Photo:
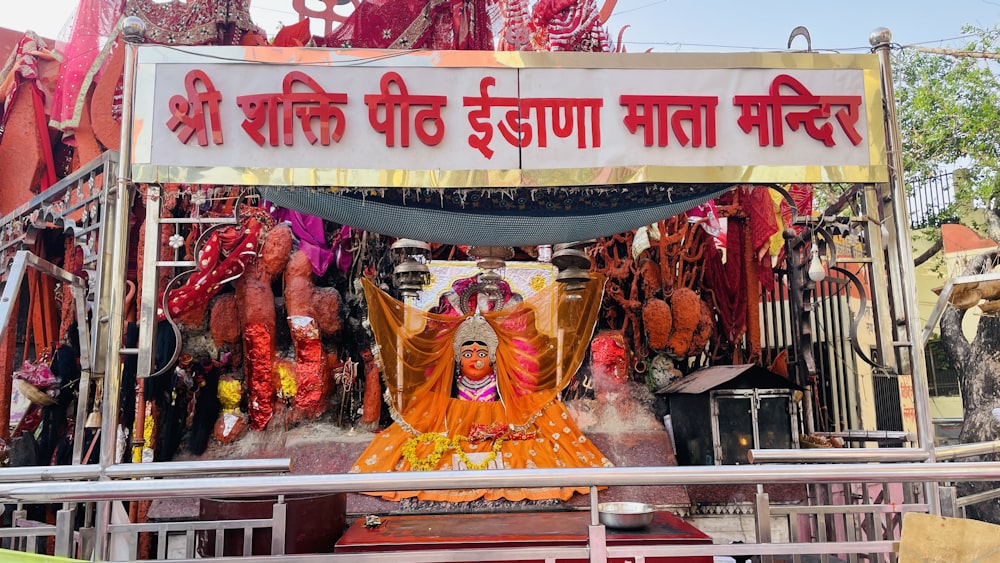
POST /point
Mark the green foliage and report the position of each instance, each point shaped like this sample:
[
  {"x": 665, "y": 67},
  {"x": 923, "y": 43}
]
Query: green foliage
[
  {"x": 949, "y": 114},
  {"x": 937, "y": 353}
]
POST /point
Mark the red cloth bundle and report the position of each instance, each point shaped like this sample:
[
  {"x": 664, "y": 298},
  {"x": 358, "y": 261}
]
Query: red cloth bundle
[
  {"x": 257, "y": 374},
  {"x": 310, "y": 365}
]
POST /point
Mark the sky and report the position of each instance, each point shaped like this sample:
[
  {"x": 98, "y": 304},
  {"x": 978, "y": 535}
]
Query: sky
[{"x": 679, "y": 25}]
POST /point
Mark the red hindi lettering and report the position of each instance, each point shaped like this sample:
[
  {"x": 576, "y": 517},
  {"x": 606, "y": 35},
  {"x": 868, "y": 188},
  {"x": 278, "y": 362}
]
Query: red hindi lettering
[
  {"x": 188, "y": 115},
  {"x": 847, "y": 116},
  {"x": 486, "y": 103},
  {"x": 566, "y": 115},
  {"x": 517, "y": 133},
  {"x": 653, "y": 114},
  {"x": 260, "y": 110},
  {"x": 755, "y": 111},
  {"x": 316, "y": 104},
  {"x": 393, "y": 96}
]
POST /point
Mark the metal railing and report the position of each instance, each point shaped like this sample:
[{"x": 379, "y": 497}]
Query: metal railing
[
  {"x": 24, "y": 534},
  {"x": 873, "y": 542},
  {"x": 931, "y": 200},
  {"x": 952, "y": 504}
]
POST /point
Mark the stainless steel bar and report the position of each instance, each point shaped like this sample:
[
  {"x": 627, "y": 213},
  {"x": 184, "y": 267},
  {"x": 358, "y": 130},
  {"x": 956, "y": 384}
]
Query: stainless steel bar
[
  {"x": 837, "y": 455},
  {"x": 966, "y": 450},
  {"x": 594, "y": 512},
  {"x": 581, "y": 553},
  {"x": 149, "y": 293},
  {"x": 198, "y": 221},
  {"x": 427, "y": 556},
  {"x": 935, "y": 315},
  {"x": 48, "y": 473},
  {"x": 51, "y": 269},
  {"x": 189, "y": 543},
  {"x": 949, "y": 502},
  {"x": 355, "y": 482},
  {"x": 114, "y": 260},
  {"x": 173, "y": 263},
  {"x": 850, "y": 533},
  {"x": 921, "y": 399},
  {"x": 279, "y": 517},
  {"x": 984, "y": 496},
  {"x": 867, "y": 524},
  {"x": 597, "y": 541},
  {"x": 140, "y": 470},
  {"x": 843, "y": 509},
  {"x": 870, "y": 435},
  {"x": 86, "y": 373},
  {"x": 8, "y": 298},
  {"x": 64, "y": 532},
  {"x": 247, "y": 540},
  {"x": 189, "y": 468},
  {"x": 762, "y": 517},
  {"x": 793, "y": 534}
]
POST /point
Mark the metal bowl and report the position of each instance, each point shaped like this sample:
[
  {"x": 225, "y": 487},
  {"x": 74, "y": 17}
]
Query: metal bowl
[{"x": 625, "y": 515}]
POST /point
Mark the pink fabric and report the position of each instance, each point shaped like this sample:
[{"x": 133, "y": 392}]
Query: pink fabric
[
  {"x": 447, "y": 306},
  {"x": 194, "y": 22},
  {"x": 708, "y": 218},
  {"x": 312, "y": 239},
  {"x": 415, "y": 24},
  {"x": 568, "y": 25},
  {"x": 81, "y": 44}
]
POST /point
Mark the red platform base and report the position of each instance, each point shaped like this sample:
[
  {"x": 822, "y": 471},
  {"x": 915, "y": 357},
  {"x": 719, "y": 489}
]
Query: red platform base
[{"x": 523, "y": 529}]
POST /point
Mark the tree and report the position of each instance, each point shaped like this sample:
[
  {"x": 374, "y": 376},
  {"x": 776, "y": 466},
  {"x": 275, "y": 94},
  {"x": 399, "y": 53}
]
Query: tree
[{"x": 949, "y": 112}]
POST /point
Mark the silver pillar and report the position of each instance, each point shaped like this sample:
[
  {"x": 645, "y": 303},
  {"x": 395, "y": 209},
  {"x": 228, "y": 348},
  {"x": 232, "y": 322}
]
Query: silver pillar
[
  {"x": 111, "y": 305},
  {"x": 880, "y": 40}
]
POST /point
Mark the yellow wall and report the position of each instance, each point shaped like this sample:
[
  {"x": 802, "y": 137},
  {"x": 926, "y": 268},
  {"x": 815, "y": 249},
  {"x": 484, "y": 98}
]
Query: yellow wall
[{"x": 930, "y": 275}]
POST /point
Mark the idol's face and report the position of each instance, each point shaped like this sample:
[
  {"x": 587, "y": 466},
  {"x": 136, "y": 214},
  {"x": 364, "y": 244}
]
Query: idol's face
[{"x": 475, "y": 361}]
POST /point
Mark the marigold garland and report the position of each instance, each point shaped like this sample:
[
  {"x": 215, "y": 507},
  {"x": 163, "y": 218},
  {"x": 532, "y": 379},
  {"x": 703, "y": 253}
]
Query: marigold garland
[{"x": 442, "y": 444}]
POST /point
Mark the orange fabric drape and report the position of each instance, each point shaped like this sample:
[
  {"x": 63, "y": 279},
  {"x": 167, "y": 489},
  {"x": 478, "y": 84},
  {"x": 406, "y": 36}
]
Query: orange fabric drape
[
  {"x": 43, "y": 313},
  {"x": 542, "y": 342}
]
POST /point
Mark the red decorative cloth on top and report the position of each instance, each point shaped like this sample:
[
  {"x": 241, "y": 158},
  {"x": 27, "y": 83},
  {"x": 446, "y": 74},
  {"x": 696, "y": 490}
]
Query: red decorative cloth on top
[
  {"x": 194, "y": 22},
  {"x": 415, "y": 24}
]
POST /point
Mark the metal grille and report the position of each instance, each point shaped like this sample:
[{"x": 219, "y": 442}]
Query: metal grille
[
  {"x": 942, "y": 378},
  {"x": 888, "y": 411},
  {"x": 834, "y": 398},
  {"x": 932, "y": 201}
]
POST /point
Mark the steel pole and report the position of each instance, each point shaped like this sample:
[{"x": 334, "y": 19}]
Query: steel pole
[
  {"x": 257, "y": 485},
  {"x": 880, "y": 41},
  {"x": 116, "y": 253}
]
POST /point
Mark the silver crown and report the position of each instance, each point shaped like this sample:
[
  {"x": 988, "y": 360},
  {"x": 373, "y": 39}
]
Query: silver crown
[{"x": 475, "y": 329}]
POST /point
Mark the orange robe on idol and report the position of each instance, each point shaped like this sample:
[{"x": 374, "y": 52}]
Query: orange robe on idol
[{"x": 541, "y": 343}]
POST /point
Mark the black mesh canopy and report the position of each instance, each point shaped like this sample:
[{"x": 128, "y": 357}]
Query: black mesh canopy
[{"x": 506, "y": 217}]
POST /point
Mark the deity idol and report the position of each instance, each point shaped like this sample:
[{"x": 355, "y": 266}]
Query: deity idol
[{"x": 481, "y": 390}]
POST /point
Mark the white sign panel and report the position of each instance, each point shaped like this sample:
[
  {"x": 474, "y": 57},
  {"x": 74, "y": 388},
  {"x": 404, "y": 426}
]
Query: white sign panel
[{"x": 473, "y": 119}]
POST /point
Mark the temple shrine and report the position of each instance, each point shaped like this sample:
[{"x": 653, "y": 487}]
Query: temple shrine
[{"x": 445, "y": 236}]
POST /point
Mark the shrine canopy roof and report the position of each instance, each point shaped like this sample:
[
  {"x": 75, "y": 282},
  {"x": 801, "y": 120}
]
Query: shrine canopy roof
[
  {"x": 737, "y": 376},
  {"x": 519, "y": 148}
]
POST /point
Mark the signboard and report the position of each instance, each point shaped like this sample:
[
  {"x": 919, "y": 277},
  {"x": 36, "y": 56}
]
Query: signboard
[{"x": 361, "y": 118}]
